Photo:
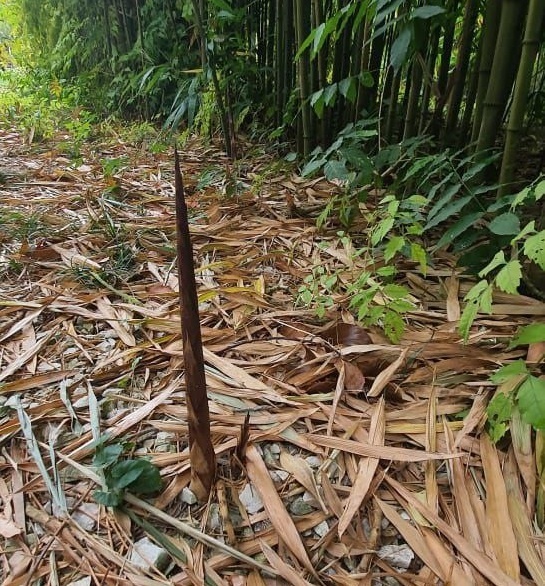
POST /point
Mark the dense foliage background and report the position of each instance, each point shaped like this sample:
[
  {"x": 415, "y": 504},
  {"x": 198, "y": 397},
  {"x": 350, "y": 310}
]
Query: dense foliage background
[{"x": 438, "y": 106}]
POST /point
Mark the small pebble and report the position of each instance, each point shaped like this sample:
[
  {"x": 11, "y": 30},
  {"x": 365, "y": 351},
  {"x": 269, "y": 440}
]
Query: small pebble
[
  {"x": 398, "y": 556},
  {"x": 314, "y": 461},
  {"x": 321, "y": 529},
  {"x": 251, "y": 500},
  {"x": 145, "y": 554},
  {"x": 188, "y": 497}
]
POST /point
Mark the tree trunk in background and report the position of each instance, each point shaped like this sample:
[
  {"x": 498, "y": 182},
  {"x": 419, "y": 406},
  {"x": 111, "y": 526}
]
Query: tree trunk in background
[
  {"x": 501, "y": 79},
  {"x": 530, "y": 46},
  {"x": 462, "y": 64},
  {"x": 488, "y": 43}
]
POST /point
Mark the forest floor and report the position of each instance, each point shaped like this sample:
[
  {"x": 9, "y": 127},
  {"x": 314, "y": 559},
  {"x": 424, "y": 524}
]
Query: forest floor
[{"x": 367, "y": 461}]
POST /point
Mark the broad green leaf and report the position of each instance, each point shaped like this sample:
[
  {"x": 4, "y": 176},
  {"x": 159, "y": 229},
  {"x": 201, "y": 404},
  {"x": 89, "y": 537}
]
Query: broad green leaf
[
  {"x": 448, "y": 211},
  {"x": 426, "y": 11},
  {"x": 148, "y": 481},
  {"x": 395, "y": 291},
  {"x": 529, "y": 335},
  {"x": 467, "y": 318},
  {"x": 476, "y": 291},
  {"x": 317, "y": 102},
  {"x": 508, "y": 371},
  {"x": 530, "y": 228},
  {"x": 348, "y": 88},
  {"x": 534, "y": 248},
  {"x": 486, "y": 299},
  {"x": 509, "y": 277},
  {"x": 124, "y": 473},
  {"x": 400, "y": 49},
  {"x": 336, "y": 170},
  {"x": 499, "y": 413},
  {"x": 531, "y": 401},
  {"x": 107, "y": 455},
  {"x": 108, "y": 498},
  {"x": 418, "y": 254},
  {"x": 318, "y": 36},
  {"x": 539, "y": 190},
  {"x": 395, "y": 244},
  {"x": 497, "y": 261},
  {"x": 521, "y": 197},
  {"x": 393, "y": 325},
  {"x": 505, "y": 224},
  {"x": 313, "y": 166},
  {"x": 330, "y": 94}
]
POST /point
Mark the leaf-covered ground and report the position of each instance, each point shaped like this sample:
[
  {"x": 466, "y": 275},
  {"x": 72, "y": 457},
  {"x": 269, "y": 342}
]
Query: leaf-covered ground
[{"x": 366, "y": 462}]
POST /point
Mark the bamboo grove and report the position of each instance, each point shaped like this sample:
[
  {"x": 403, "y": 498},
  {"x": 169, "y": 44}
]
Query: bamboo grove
[{"x": 466, "y": 72}]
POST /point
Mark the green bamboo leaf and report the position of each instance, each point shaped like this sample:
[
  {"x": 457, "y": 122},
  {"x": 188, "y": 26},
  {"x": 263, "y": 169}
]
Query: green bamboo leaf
[
  {"x": 531, "y": 401},
  {"x": 425, "y": 12},
  {"x": 348, "y": 88},
  {"x": 506, "y": 224},
  {"x": 458, "y": 228},
  {"x": 510, "y": 276},
  {"x": 337, "y": 170},
  {"x": 400, "y": 49},
  {"x": 448, "y": 211},
  {"x": 529, "y": 335}
]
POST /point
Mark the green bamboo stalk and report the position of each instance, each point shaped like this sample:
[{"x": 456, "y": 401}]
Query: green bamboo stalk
[
  {"x": 502, "y": 73},
  {"x": 462, "y": 65},
  {"x": 530, "y": 47},
  {"x": 489, "y": 35}
]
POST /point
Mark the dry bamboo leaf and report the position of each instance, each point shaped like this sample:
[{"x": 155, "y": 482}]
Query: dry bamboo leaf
[
  {"x": 500, "y": 529},
  {"x": 446, "y": 567},
  {"x": 521, "y": 524},
  {"x": 477, "y": 558},
  {"x": 29, "y": 354},
  {"x": 453, "y": 302},
  {"x": 283, "y": 569},
  {"x": 385, "y": 376},
  {"x": 366, "y": 469},
  {"x": 379, "y": 452},
  {"x": 462, "y": 486},
  {"x": 302, "y": 472},
  {"x": 114, "y": 319},
  {"x": 260, "y": 478}
]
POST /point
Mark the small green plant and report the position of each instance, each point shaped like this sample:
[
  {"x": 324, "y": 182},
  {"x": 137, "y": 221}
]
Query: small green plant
[
  {"x": 371, "y": 293},
  {"x": 123, "y": 475},
  {"x": 518, "y": 389},
  {"x": 527, "y": 245}
]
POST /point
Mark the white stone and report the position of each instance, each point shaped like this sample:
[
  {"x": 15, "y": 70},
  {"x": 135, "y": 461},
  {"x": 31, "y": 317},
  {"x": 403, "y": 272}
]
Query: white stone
[
  {"x": 398, "y": 556},
  {"x": 314, "y": 461},
  {"x": 145, "y": 554},
  {"x": 251, "y": 500},
  {"x": 188, "y": 496},
  {"x": 321, "y": 529},
  {"x": 86, "y": 515}
]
